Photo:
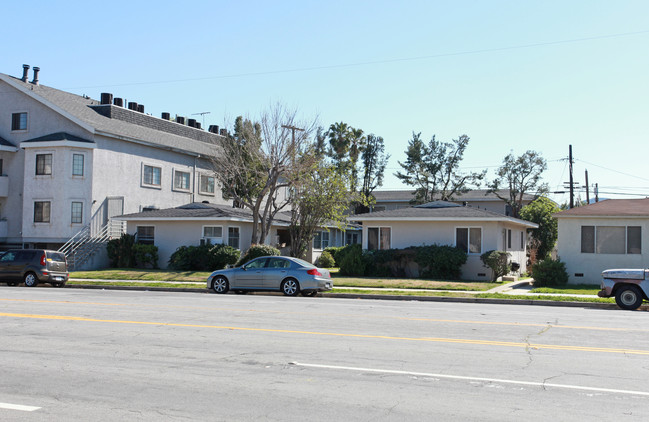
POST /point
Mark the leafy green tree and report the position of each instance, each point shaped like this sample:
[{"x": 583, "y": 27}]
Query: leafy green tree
[
  {"x": 374, "y": 159},
  {"x": 519, "y": 176},
  {"x": 433, "y": 169},
  {"x": 320, "y": 197},
  {"x": 545, "y": 236}
]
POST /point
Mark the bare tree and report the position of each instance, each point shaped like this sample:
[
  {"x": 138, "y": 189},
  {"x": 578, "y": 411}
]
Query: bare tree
[{"x": 255, "y": 165}]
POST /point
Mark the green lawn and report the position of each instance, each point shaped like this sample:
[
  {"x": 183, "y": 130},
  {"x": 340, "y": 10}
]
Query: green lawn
[
  {"x": 573, "y": 289},
  {"x": 144, "y": 275}
]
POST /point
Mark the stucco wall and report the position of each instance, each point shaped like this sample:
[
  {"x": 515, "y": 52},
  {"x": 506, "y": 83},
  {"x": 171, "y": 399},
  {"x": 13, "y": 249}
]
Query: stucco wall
[
  {"x": 420, "y": 233},
  {"x": 591, "y": 265}
]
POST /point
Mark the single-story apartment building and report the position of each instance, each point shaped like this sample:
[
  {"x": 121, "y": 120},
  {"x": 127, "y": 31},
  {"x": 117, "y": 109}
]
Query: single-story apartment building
[
  {"x": 196, "y": 223},
  {"x": 603, "y": 235},
  {"x": 447, "y": 223}
]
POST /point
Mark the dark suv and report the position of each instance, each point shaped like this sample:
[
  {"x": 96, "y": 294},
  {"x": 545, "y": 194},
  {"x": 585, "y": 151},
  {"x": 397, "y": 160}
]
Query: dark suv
[{"x": 33, "y": 266}]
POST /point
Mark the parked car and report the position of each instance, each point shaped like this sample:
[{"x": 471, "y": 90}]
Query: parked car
[
  {"x": 629, "y": 286},
  {"x": 272, "y": 273},
  {"x": 33, "y": 266}
]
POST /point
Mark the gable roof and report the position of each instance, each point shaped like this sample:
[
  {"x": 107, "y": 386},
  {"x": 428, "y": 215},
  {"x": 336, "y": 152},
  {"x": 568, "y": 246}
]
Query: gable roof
[
  {"x": 439, "y": 211},
  {"x": 200, "y": 211},
  {"x": 473, "y": 195},
  {"x": 80, "y": 110},
  {"x": 610, "y": 208}
]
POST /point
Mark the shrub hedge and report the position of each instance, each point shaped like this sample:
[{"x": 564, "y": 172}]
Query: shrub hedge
[
  {"x": 255, "y": 251},
  {"x": 326, "y": 260},
  {"x": 549, "y": 273},
  {"x": 203, "y": 258}
]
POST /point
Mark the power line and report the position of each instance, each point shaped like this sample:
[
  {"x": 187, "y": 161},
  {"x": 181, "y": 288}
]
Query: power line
[{"x": 373, "y": 62}]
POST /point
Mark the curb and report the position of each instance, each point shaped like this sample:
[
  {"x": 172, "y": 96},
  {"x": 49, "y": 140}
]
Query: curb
[{"x": 529, "y": 302}]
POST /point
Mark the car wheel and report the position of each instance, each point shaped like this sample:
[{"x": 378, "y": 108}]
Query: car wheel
[
  {"x": 310, "y": 294},
  {"x": 31, "y": 280},
  {"x": 290, "y": 287},
  {"x": 628, "y": 297},
  {"x": 220, "y": 284}
]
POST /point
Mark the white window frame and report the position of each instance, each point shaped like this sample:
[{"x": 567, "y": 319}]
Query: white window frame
[
  {"x": 72, "y": 212},
  {"x": 200, "y": 185},
  {"x": 468, "y": 245},
  {"x": 367, "y": 242},
  {"x": 26, "y": 129},
  {"x": 321, "y": 233},
  {"x": 189, "y": 180},
  {"x": 151, "y": 185},
  {"x": 83, "y": 164},
  {"x": 40, "y": 153},
  {"x": 214, "y": 240},
  {"x": 238, "y": 238},
  {"x": 49, "y": 220}
]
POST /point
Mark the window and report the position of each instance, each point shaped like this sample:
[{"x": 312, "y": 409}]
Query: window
[
  {"x": 257, "y": 263},
  {"x": 509, "y": 239},
  {"x": 151, "y": 175},
  {"x": 279, "y": 263},
  {"x": 19, "y": 121},
  {"x": 321, "y": 240},
  {"x": 378, "y": 238},
  {"x": 145, "y": 235},
  {"x": 77, "y": 212},
  {"x": 352, "y": 238},
  {"x": 213, "y": 234},
  {"x": 611, "y": 239},
  {"x": 206, "y": 184},
  {"x": 43, "y": 164},
  {"x": 469, "y": 239},
  {"x": 233, "y": 237},
  {"x": 1, "y": 172},
  {"x": 42, "y": 211},
  {"x": 77, "y": 164},
  {"x": 181, "y": 180},
  {"x": 522, "y": 240}
]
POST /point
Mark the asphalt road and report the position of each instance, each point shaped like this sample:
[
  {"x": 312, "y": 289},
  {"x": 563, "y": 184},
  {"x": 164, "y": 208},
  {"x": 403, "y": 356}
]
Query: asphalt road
[{"x": 94, "y": 355}]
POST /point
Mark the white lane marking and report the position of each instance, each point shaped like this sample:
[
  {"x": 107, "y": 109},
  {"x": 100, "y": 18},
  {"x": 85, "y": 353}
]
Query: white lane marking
[
  {"x": 18, "y": 407},
  {"x": 465, "y": 378}
]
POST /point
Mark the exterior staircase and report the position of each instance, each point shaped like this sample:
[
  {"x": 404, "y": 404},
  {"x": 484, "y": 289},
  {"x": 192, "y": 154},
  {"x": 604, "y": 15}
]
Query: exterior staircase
[{"x": 85, "y": 244}]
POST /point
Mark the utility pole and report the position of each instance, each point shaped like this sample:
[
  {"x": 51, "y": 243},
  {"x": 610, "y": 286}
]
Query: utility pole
[
  {"x": 587, "y": 190},
  {"x": 293, "y": 129},
  {"x": 572, "y": 189}
]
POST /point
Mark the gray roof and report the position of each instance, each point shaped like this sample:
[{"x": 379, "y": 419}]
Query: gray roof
[
  {"x": 472, "y": 195},
  {"x": 6, "y": 143},
  {"x": 438, "y": 210},
  {"x": 81, "y": 108},
  {"x": 59, "y": 136}
]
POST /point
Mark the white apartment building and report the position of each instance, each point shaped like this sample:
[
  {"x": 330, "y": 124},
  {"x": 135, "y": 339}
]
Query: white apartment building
[{"x": 68, "y": 162}]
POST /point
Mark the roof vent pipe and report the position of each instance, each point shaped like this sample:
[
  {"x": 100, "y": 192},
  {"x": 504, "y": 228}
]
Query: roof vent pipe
[
  {"x": 25, "y": 72},
  {"x": 118, "y": 102},
  {"x": 36, "y": 70},
  {"x": 106, "y": 98},
  {"x": 166, "y": 116}
]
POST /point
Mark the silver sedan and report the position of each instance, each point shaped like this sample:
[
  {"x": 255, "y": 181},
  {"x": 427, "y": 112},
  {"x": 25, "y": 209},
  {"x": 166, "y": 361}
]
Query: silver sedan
[{"x": 272, "y": 273}]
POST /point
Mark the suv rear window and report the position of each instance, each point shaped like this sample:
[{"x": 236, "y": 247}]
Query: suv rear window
[{"x": 56, "y": 256}]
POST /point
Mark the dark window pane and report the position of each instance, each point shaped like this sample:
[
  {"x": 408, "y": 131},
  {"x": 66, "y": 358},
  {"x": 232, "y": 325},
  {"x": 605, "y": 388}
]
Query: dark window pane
[
  {"x": 634, "y": 239},
  {"x": 587, "y": 239},
  {"x": 385, "y": 237},
  {"x": 462, "y": 239},
  {"x": 475, "y": 240},
  {"x": 43, "y": 164},
  {"x": 373, "y": 238}
]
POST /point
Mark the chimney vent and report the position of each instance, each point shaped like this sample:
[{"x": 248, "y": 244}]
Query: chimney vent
[
  {"x": 180, "y": 119},
  {"x": 25, "y": 73},
  {"x": 106, "y": 98},
  {"x": 166, "y": 116},
  {"x": 223, "y": 132},
  {"x": 140, "y": 108},
  {"x": 191, "y": 122},
  {"x": 132, "y": 106},
  {"x": 118, "y": 102},
  {"x": 36, "y": 70},
  {"x": 213, "y": 129}
]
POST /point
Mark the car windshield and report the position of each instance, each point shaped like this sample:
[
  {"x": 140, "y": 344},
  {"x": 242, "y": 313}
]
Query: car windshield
[{"x": 304, "y": 263}]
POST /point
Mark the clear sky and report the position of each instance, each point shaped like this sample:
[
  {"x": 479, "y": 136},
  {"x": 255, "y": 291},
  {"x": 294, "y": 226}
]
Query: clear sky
[{"x": 512, "y": 75}]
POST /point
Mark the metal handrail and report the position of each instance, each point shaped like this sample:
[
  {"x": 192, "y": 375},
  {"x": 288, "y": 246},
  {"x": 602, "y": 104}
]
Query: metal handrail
[{"x": 82, "y": 245}]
